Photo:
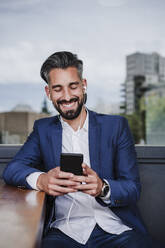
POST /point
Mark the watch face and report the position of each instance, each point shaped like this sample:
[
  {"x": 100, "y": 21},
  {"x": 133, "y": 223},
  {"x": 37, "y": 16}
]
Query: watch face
[{"x": 106, "y": 189}]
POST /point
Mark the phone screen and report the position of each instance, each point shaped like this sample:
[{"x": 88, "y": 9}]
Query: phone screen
[{"x": 71, "y": 162}]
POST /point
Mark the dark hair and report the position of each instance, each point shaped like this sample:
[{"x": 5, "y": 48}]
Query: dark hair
[{"x": 61, "y": 60}]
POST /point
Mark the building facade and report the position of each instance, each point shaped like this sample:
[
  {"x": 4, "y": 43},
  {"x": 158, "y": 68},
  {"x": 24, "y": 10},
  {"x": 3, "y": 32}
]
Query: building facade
[
  {"x": 150, "y": 68},
  {"x": 17, "y": 124}
]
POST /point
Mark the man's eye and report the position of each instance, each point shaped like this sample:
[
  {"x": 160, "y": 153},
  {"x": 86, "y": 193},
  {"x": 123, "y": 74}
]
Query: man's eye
[
  {"x": 74, "y": 86},
  {"x": 57, "y": 89}
]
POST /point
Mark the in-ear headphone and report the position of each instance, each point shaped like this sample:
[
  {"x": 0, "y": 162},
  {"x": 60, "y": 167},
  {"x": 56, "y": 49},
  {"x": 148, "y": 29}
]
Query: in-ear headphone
[
  {"x": 85, "y": 89},
  {"x": 49, "y": 96},
  {"x": 85, "y": 94}
]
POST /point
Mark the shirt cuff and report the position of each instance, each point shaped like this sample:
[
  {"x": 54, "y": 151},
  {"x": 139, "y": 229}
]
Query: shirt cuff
[
  {"x": 32, "y": 179},
  {"x": 106, "y": 199}
]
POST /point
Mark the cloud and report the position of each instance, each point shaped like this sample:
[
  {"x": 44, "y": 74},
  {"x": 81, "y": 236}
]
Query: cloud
[
  {"x": 102, "y": 36},
  {"x": 112, "y": 3},
  {"x": 19, "y": 63},
  {"x": 17, "y": 4}
]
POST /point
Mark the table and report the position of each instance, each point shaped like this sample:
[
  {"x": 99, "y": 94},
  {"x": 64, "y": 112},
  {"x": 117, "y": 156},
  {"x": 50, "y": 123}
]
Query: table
[{"x": 22, "y": 215}]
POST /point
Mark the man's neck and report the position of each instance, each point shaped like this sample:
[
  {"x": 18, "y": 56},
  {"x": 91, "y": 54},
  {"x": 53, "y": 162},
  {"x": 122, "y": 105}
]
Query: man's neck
[{"x": 79, "y": 121}]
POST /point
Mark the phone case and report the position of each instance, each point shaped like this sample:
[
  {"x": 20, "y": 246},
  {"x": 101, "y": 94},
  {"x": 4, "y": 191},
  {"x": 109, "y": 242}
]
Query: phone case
[{"x": 72, "y": 162}]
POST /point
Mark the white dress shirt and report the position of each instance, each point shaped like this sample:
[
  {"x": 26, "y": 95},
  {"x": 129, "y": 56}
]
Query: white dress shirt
[{"x": 77, "y": 213}]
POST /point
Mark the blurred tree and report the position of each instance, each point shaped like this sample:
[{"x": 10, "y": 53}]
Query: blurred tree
[
  {"x": 135, "y": 123},
  {"x": 156, "y": 114},
  {"x": 44, "y": 108}
]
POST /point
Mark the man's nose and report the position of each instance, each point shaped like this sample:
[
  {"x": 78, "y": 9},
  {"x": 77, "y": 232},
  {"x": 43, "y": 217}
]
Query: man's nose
[{"x": 67, "y": 94}]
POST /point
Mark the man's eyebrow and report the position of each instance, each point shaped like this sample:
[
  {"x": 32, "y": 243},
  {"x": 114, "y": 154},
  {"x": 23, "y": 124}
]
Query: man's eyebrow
[
  {"x": 56, "y": 85},
  {"x": 76, "y": 82}
]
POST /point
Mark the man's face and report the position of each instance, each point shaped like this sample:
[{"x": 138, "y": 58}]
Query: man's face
[{"x": 66, "y": 92}]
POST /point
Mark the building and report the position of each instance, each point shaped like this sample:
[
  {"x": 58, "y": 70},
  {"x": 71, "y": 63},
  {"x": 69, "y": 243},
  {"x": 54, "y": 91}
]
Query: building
[
  {"x": 144, "y": 94},
  {"x": 17, "y": 124},
  {"x": 143, "y": 71}
]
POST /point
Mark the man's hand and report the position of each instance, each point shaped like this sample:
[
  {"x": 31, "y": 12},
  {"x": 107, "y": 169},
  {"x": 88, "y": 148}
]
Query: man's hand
[
  {"x": 93, "y": 184},
  {"x": 56, "y": 182}
]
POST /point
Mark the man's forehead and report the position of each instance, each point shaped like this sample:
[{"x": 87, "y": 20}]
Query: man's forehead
[
  {"x": 60, "y": 76},
  {"x": 69, "y": 69}
]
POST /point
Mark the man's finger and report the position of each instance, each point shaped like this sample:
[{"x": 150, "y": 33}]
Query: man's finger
[
  {"x": 87, "y": 170},
  {"x": 65, "y": 182},
  {"x": 63, "y": 190},
  {"x": 57, "y": 173},
  {"x": 84, "y": 179},
  {"x": 63, "y": 174},
  {"x": 83, "y": 187}
]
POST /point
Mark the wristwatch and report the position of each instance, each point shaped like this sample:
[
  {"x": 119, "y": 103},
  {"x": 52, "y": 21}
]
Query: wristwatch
[{"x": 105, "y": 189}]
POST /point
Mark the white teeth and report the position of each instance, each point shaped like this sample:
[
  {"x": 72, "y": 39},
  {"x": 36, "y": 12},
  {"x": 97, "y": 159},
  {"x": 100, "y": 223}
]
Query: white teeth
[{"x": 68, "y": 105}]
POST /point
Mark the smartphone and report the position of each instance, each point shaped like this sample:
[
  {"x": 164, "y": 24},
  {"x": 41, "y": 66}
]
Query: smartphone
[{"x": 71, "y": 162}]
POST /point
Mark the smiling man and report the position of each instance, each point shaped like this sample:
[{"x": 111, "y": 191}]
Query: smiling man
[
  {"x": 65, "y": 90},
  {"x": 71, "y": 85},
  {"x": 97, "y": 209}
]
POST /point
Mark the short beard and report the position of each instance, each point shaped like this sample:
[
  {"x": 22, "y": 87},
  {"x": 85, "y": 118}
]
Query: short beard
[{"x": 70, "y": 114}]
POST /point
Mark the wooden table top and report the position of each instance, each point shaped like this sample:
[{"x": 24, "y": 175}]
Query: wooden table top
[{"x": 21, "y": 217}]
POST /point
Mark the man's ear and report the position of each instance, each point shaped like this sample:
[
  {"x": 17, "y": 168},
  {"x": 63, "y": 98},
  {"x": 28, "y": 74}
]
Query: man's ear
[
  {"x": 84, "y": 84},
  {"x": 47, "y": 92}
]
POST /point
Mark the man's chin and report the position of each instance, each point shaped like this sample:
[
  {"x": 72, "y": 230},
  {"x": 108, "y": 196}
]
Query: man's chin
[{"x": 69, "y": 115}]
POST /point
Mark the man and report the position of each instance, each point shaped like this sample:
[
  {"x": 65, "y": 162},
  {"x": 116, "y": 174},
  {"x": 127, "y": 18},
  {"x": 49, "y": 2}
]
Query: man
[{"x": 97, "y": 209}]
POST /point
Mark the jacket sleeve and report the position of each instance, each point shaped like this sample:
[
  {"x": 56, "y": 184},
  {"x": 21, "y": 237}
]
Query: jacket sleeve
[
  {"x": 25, "y": 161},
  {"x": 125, "y": 187}
]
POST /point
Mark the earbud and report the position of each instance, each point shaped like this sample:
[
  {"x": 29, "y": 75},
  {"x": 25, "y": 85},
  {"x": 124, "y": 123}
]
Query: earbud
[
  {"x": 49, "y": 96},
  {"x": 85, "y": 94},
  {"x": 85, "y": 89}
]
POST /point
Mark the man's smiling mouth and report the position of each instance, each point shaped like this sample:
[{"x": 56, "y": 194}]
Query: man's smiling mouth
[{"x": 67, "y": 104}]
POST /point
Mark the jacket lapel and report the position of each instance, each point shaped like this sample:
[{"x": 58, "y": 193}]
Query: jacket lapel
[
  {"x": 94, "y": 143},
  {"x": 55, "y": 137}
]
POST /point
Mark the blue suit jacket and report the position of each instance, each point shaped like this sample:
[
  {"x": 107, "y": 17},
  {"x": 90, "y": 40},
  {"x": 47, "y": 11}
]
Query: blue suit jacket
[{"x": 112, "y": 156}]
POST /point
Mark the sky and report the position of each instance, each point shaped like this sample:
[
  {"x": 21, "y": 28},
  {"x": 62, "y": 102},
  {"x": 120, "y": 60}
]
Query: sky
[{"x": 101, "y": 32}]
